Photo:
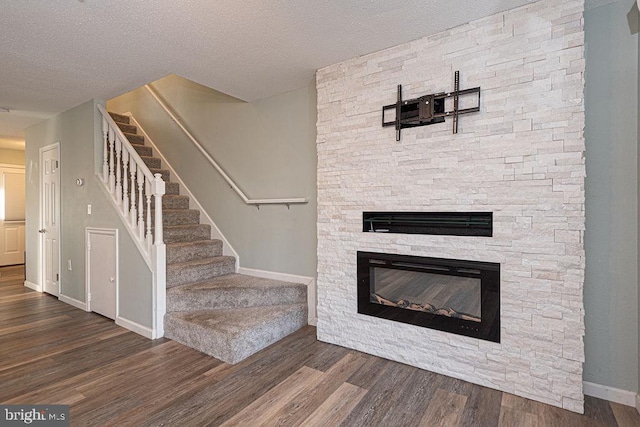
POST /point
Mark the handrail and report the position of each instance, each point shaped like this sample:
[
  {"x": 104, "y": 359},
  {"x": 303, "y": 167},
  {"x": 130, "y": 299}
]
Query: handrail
[{"x": 257, "y": 202}]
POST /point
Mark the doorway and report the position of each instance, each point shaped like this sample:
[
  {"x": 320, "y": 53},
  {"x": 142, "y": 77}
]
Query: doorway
[
  {"x": 12, "y": 196},
  {"x": 50, "y": 218},
  {"x": 102, "y": 271}
]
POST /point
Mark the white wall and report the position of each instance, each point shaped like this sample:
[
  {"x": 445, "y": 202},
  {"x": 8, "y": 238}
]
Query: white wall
[
  {"x": 521, "y": 157},
  {"x": 268, "y": 149},
  {"x": 78, "y": 130}
]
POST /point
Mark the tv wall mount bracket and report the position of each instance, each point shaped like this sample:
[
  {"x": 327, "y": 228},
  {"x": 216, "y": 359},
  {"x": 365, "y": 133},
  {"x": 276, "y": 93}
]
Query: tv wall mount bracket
[{"x": 428, "y": 109}]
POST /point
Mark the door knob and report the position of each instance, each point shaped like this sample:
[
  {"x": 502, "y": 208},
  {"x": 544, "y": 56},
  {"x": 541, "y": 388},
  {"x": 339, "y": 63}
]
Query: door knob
[{"x": 42, "y": 230}]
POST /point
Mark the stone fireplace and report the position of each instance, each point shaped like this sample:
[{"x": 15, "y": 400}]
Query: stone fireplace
[{"x": 520, "y": 157}]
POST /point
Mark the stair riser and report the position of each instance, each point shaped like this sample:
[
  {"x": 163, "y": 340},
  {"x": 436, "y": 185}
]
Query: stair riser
[
  {"x": 194, "y": 251},
  {"x": 135, "y": 139},
  {"x": 233, "y": 349},
  {"x": 172, "y": 188},
  {"x": 143, "y": 150},
  {"x": 181, "y": 217},
  {"x": 197, "y": 232},
  {"x": 180, "y": 202},
  {"x": 127, "y": 128},
  {"x": 197, "y": 273},
  {"x": 119, "y": 118},
  {"x": 152, "y": 162},
  {"x": 211, "y": 299}
]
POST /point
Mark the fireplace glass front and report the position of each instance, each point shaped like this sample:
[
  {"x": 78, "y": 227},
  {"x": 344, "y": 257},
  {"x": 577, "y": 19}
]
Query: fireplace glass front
[{"x": 457, "y": 296}]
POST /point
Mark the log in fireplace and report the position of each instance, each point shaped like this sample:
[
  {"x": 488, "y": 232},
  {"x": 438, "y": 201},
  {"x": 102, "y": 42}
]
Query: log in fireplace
[{"x": 457, "y": 296}]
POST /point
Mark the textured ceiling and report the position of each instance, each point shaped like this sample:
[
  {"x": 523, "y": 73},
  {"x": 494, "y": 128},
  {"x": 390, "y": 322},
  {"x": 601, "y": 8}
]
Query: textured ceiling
[{"x": 56, "y": 54}]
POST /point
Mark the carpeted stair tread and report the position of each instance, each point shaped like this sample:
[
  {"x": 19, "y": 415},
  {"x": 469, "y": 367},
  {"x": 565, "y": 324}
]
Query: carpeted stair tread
[
  {"x": 152, "y": 162},
  {"x": 234, "y": 291},
  {"x": 127, "y": 128},
  {"x": 172, "y": 188},
  {"x": 143, "y": 150},
  {"x": 185, "y": 233},
  {"x": 197, "y": 270},
  {"x": 171, "y": 201},
  {"x": 234, "y": 334},
  {"x": 178, "y": 252},
  {"x": 119, "y": 118},
  {"x": 134, "y": 138},
  {"x": 179, "y": 216}
]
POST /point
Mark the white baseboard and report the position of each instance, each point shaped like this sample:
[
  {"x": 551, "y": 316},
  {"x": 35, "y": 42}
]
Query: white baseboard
[
  {"x": 134, "y": 327},
  {"x": 305, "y": 280},
  {"x": 638, "y": 403},
  {"x": 611, "y": 394},
  {"x": 74, "y": 302},
  {"x": 33, "y": 286}
]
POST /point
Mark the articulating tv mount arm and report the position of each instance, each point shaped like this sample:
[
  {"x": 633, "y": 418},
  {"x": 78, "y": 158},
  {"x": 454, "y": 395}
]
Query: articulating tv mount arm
[{"x": 428, "y": 109}]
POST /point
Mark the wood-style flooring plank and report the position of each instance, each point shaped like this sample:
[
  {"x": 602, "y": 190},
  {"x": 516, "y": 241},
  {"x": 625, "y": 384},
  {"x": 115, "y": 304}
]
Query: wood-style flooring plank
[
  {"x": 334, "y": 410},
  {"x": 482, "y": 408},
  {"x": 445, "y": 409},
  {"x": 304, "y": 403},
  {"x": 626, "y": 416},
  {"x": 23, "y": 326},
  {"x": 262, "y": 409},
  {"x": 414, "y": 399},
  {"x": 510, "y": 417},
  {"x": 381, "y": 397}
]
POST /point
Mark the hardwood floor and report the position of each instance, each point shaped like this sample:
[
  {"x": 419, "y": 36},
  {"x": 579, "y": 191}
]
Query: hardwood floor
[{"x": 51, "y": 352}]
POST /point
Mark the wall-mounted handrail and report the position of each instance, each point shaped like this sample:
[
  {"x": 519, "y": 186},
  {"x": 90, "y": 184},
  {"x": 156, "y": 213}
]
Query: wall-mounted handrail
[{"x": 227, "y": 178}]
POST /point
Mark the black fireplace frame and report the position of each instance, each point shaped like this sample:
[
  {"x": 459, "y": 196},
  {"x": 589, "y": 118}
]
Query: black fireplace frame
[{"x": 489, "y": 274}]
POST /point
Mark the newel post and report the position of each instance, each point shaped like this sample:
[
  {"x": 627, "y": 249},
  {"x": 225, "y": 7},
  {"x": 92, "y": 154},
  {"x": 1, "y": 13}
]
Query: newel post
[
  {"x": 158, "y": 192},
  {"x": 159, "y": 260}
]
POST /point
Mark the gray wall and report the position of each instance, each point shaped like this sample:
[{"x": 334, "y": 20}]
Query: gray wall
[
  {"x": 611, "y": 236},
  {"x": 268, "y": 149},
  {"x": 12, "y": 157},
  {"x": 78, "y": 130}
]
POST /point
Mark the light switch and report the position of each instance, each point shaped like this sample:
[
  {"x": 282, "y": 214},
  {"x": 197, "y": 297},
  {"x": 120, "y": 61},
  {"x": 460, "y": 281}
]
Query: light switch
[
  {"x": 69, "y": 265},
  {"x": 88, "y": 209}
]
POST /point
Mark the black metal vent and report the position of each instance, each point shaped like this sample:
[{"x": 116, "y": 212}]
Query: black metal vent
[{"x": 439, "y": 223}]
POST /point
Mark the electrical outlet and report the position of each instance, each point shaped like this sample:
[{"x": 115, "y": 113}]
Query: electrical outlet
[{"x": 88, "y": 209}]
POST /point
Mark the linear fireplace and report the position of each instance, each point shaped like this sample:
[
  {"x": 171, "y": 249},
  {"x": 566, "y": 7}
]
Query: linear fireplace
[{"x": 457, "y": 296}]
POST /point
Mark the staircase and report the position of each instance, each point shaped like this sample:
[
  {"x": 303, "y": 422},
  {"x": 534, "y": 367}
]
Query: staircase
[{"x": 209, "y": 307}]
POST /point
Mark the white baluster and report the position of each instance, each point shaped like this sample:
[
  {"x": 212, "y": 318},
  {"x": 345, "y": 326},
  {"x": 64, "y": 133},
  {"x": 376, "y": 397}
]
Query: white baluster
[
  {"x": 112, "y": 179},
  {"x": 125, "y": 180},
  {"x": 147, "y": 194},
  {"x": 158, "y": 192},
  {"x": 105, "y": 155},
  {"x": 133, "y": 214},
  {"x": 140, "y": 206},
  {"x": 118, "y": 170}
]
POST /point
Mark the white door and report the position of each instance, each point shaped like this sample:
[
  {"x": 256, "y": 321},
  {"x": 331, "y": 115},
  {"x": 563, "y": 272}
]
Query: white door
[
  {"x": 12, "y": 194},
  {"x": 102, "y": 271},
  {"x": 50, "y": 218}
]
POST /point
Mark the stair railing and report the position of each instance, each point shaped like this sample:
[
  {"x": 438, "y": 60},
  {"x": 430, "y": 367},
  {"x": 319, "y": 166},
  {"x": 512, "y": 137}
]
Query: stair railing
[
  {"x": 216, "y": 166},
  {"x": 132, "y": 186}
]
